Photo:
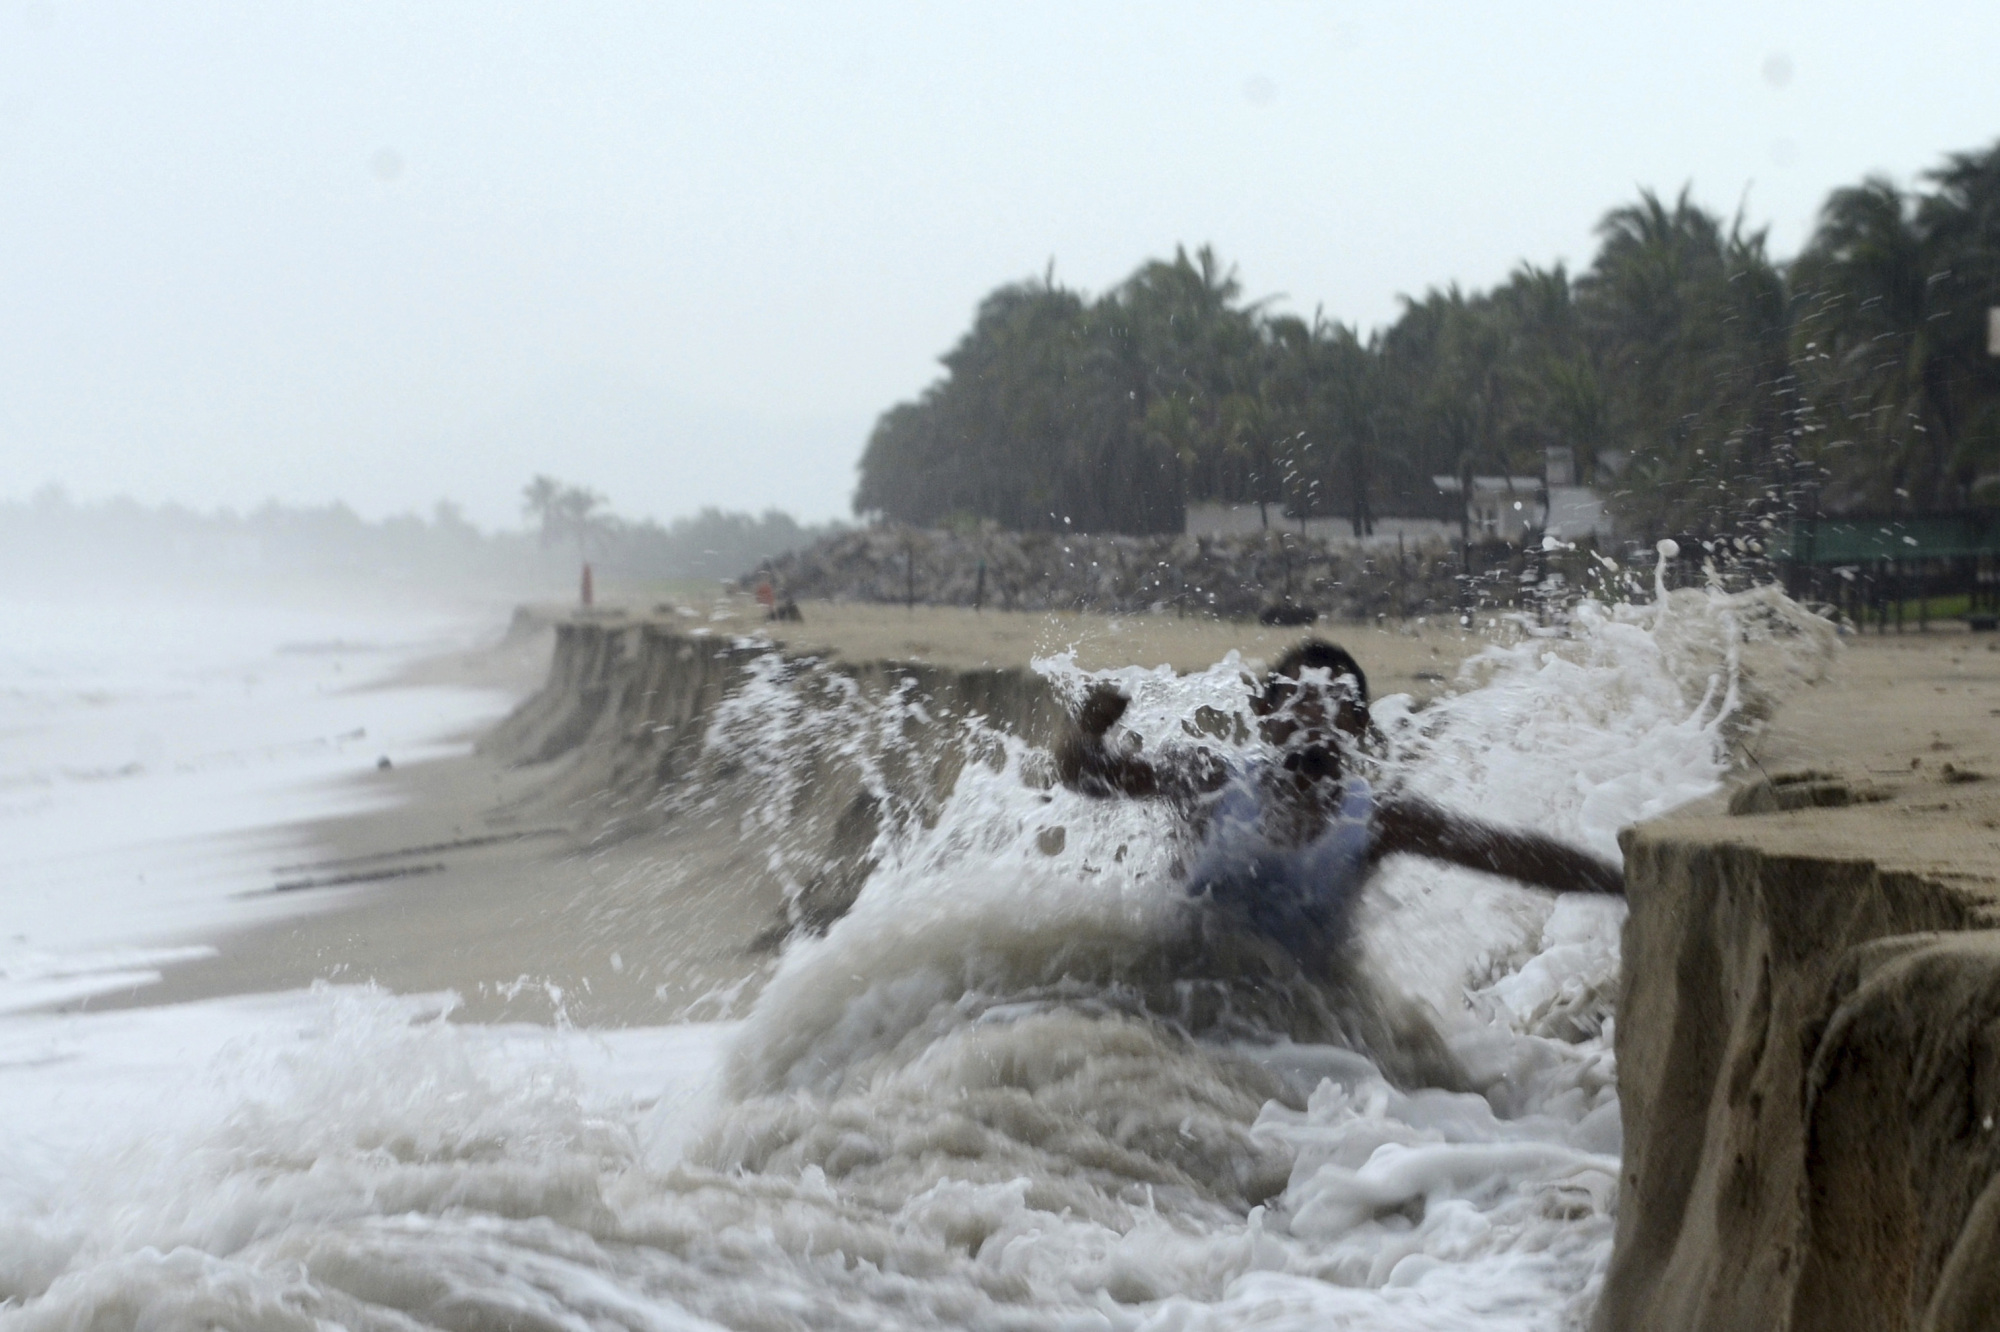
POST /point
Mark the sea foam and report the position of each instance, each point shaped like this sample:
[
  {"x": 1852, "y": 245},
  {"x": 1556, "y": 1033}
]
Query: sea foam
[{"x": 1013, "y": 1087}]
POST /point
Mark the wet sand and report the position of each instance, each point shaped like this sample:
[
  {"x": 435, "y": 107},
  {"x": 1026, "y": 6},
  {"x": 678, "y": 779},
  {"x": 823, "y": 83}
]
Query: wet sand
[
  {"x": 467, "y": 879},
  {"x": 1898, "y": 709}
]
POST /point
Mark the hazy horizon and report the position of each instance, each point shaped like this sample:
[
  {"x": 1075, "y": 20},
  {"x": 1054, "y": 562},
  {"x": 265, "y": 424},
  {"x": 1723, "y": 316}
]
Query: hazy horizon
[{"x": 387, "y": 257}]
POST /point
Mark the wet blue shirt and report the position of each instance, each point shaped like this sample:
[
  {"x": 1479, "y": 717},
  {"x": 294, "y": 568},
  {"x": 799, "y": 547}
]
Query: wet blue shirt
[{"x": 1300, "y": 896}]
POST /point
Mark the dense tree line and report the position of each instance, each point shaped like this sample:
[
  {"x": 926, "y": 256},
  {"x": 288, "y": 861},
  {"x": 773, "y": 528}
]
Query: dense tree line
[
  {"x": 50, "y": 542},
  {"x": 1693, "y": 377}
]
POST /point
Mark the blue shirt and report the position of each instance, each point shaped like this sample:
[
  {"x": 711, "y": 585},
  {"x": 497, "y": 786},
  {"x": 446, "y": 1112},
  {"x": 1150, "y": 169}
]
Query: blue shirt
[{"x": 1299, "y": 896}]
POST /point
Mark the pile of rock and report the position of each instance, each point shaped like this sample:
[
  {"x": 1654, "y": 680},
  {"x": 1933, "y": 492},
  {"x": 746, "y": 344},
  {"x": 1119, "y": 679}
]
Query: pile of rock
[{"x": 1235, "y": 576}]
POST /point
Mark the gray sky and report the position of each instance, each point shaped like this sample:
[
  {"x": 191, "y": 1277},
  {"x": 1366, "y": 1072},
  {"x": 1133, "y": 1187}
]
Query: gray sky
[{"x": 392, "y": 252}]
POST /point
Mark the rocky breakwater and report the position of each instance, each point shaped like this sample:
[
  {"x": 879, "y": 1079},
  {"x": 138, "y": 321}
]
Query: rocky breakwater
[
  {"x": 782, "y": 775},
  {"x": 1809, "y": 1030},
  {"x": 1233, "y": 576}
]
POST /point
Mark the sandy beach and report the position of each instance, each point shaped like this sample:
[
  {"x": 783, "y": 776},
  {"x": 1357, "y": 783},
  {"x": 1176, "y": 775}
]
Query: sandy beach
[{"x": 527, "y": 911}]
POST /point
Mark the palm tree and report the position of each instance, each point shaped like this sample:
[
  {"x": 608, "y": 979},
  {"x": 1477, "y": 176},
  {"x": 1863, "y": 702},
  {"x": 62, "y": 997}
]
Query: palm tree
[
  {"x": 538, "y": 501},
  {"x": 1871, "y": 274},
  {"x": 1962, "y": 220},
  {"x": 1192, "y": 345},
  {"x": 1348, "y": 396},
  {"x": 1690, "y": 329},
  {"x": 563, "y": 512}
]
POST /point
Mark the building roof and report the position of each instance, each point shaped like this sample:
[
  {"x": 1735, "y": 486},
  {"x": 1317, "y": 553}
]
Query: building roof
[{"x": 1449, "y": 484}]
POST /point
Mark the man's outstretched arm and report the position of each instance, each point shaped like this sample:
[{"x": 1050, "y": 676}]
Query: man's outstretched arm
[
  {"x": 1418, "y": 828},
  {"x": 1086, "y": 764}
]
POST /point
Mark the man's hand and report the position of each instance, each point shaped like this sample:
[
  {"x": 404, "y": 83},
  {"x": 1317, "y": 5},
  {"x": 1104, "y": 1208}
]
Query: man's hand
[
  {"x": 1085, "y": 763},
  {"x": 1102, "y": 707},
  {"x": 1082, "y": 761}
]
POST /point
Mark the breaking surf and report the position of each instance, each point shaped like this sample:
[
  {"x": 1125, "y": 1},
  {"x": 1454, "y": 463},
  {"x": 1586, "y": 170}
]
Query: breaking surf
[{"x": 1013, "y": 1084}]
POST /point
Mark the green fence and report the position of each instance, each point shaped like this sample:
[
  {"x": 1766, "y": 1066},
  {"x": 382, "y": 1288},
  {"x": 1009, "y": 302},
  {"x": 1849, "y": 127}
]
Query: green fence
[
  {"x": 1860, "y": 540},
  {"x": 1886, "y": 570}
]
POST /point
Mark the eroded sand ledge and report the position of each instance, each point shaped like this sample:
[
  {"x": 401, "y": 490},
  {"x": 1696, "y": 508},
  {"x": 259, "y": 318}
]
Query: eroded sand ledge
[
  {"x": 626, "y": 719},
  {"x": 1809, "y": 1026}
]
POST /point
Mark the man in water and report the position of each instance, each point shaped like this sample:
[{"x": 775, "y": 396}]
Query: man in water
[{"x": 1287, "y": 839}]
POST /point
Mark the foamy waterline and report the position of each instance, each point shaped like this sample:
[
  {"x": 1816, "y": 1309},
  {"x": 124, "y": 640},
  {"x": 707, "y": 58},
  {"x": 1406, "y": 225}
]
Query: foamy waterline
[{"x": 157, "y": 753}]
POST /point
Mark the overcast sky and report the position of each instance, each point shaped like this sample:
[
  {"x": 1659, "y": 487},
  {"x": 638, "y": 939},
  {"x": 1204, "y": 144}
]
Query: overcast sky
[{"x": 394, "y": 252}]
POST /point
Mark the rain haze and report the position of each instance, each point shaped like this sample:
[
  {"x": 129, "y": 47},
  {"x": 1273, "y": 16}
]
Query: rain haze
[
  {"x": 388, "y": 255},
  {"x": 1103, "y": 667}
]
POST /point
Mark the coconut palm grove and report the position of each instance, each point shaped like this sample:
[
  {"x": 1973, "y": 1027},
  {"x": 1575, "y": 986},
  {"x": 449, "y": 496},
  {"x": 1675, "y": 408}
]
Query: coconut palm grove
[{"x": 1694, "y": 378}]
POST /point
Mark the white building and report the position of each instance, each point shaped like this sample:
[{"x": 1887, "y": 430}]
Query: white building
[
  {"x": 1234, "y": 519},
  {"x": 1576, "y": 511},
  {"x": 1501, "y": 508}
]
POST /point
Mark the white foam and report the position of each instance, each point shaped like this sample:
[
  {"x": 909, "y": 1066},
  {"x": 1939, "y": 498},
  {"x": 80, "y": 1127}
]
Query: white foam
[
  {"x": 157, "y": 757},
  {"x": 987, "y": 1098}
]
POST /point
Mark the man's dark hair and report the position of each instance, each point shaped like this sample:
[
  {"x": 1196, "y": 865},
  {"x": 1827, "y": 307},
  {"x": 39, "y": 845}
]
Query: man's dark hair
[{"x": 1313, "y": 654}]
